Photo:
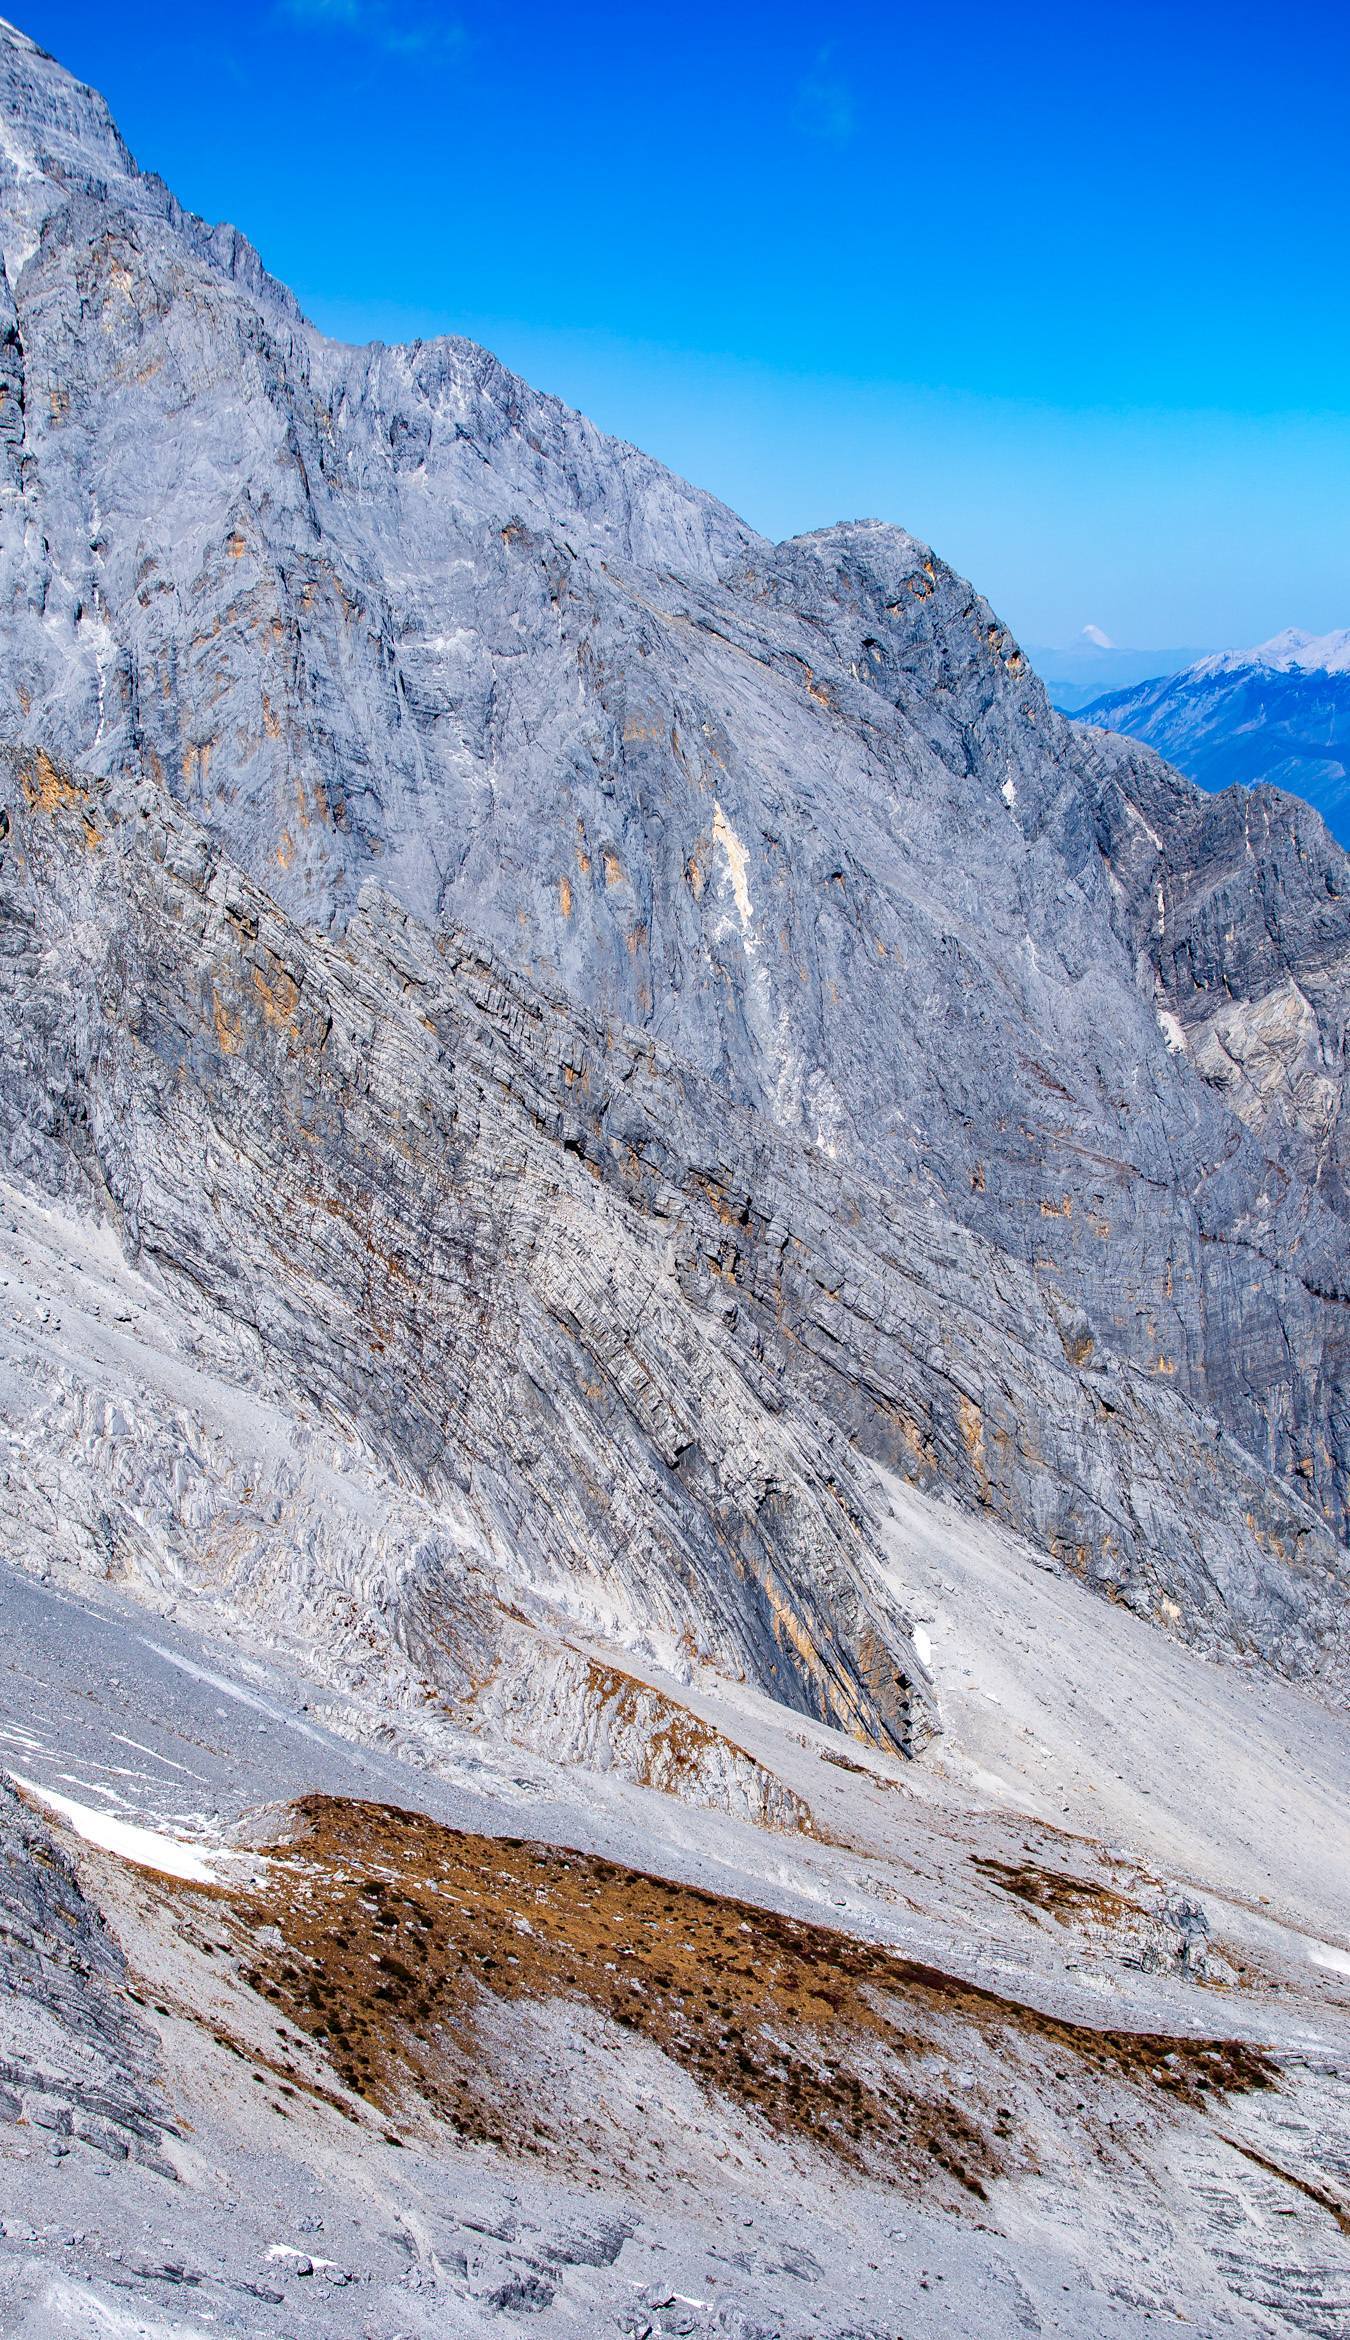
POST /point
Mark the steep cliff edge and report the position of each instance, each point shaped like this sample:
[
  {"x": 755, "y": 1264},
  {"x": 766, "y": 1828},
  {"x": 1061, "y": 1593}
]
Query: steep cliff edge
[{"x": 626, "y": 1337}]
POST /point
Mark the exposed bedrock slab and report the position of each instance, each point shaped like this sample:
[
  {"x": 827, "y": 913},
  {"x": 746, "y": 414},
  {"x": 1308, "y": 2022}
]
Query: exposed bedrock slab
[
  {"x": 74, "y": 2061},
  {"x": 630, "y": 1332}
]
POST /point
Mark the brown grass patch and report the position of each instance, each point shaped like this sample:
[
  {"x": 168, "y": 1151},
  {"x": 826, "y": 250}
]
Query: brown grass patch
[
  {"x": 1053, "y": 1890},
  {"x": 47, "y": 788},
  {"x": 402, "y": 1943}
]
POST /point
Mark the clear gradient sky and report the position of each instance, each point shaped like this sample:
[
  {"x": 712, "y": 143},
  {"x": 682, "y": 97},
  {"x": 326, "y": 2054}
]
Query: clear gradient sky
[{"x": 1062, "y": 288}]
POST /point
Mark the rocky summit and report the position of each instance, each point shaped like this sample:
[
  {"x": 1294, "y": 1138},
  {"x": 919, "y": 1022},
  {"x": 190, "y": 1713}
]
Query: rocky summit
[{"x": 676, "y": 1387}]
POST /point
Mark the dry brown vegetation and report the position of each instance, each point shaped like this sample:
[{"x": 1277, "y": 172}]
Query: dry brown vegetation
[
  {"x": 399, "y": 1945},
  {"x": 1054, "y": 1891}
]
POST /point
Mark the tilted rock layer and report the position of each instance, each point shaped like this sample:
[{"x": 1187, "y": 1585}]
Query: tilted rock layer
[
  {"x": 625, "y": 1336},
  {"x": 74, "y": 2062}
]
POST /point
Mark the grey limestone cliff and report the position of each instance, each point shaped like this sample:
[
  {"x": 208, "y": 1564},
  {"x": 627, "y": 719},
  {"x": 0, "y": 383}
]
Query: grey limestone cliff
[
  {"x": 794, "y": 1066},
  {"x": 545, "y": 1270}
]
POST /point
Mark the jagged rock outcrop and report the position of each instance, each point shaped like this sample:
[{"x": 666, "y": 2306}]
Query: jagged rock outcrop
[
  {"x": 572, "y": 1707},
  {"x": 1239, "y": 908},
  {"x": 74, "y": 2062},
  {"x": 760, "y": 887}
]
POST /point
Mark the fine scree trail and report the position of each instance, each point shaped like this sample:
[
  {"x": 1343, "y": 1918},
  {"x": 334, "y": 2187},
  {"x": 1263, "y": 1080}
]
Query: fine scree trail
[{"x": 676, "y": 1388}]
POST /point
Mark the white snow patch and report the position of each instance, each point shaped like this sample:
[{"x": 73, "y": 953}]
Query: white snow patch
[
  {"x": 1290, "y": 652},
  {"x": 737, "y": 865},
  {"x": 123, "y": 1741},
  {"x": 145, "y": 1846},
  {"x": 1325, "y": 1955},
  {"x": 20, "y": 161},
  {"x": 923, "y": 1647}
]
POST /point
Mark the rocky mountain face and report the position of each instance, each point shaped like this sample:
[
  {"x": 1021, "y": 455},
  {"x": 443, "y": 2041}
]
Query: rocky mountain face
[
  {"x": 1239, "y": 913},
  {"x": 625, "y": 1335},
  {"x": 595, "y": 1113},
  {"x": 798, "y": 816},
  {"x": 1276, "y": 716}
]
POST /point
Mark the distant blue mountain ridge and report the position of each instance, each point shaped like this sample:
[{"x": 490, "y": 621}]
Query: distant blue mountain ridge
[
  {"x": 1092, "y": 665},
  {"x": 1278, "y": 713}
]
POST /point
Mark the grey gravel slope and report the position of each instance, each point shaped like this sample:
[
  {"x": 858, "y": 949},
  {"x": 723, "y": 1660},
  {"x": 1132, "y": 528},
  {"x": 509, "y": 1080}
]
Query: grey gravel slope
[{"x": 286, "y": 2207}]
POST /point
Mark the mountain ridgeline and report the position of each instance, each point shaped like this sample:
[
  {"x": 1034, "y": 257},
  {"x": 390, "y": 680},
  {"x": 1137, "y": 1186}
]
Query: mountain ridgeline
[
  {"x": 1278, "y": 715},
  {"x": 630, "y": 1019}
]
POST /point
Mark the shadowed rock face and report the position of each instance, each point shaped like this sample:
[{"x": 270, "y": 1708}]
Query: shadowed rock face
[
  {"x": 753, "y": 1047},
  {"x": 1240, "y": 906}
]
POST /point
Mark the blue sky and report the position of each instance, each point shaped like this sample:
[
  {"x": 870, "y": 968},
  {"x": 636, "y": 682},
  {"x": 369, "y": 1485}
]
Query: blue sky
[{"x": 1062, "y": 289}]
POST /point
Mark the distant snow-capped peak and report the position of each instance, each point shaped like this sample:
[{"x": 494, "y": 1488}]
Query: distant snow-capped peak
[{"x": 1292, "y": 651}]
